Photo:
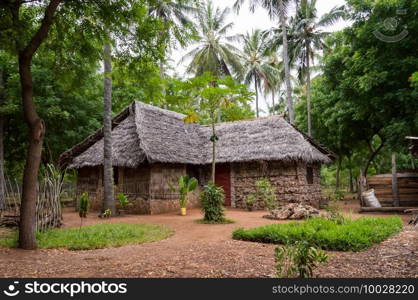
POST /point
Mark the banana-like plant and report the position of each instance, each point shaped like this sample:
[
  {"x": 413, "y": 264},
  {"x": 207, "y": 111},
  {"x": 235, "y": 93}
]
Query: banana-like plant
[{"x": 185, "y": 186}]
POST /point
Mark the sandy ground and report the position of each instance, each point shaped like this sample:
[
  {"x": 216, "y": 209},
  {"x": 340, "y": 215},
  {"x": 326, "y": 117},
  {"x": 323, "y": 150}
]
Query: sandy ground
[{"x": 199, "y": 250}]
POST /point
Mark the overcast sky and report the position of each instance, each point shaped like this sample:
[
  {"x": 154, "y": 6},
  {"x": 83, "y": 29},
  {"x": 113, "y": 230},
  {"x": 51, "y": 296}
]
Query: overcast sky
[{"x": 246, "y": 21}]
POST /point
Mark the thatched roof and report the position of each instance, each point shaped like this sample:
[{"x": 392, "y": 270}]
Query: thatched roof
[{"x": 146, "y": 133}]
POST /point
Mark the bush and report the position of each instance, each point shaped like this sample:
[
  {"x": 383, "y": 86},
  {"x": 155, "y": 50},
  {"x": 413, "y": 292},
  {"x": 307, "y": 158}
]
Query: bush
[
  {"x": 83, "y": 205},
  {"x": 250, "y": 200},
  {"x": 339, "y": 195},
  {"x": 266, "y": 193},
  {"x": 123, "y": 200},
  {"x": 212, "y": 199},
  {"x": 352, "y": 234},
  {"x": 96, "y": 236},
  {"x": 298, "y": 260},
  {"x": 334, "y": 215}
]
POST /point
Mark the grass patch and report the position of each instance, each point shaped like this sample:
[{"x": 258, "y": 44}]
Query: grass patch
[
  {"x": 223, "y": 221},
  {"x": 352, "y": 234},
  {"x": 95, "y": 236}
]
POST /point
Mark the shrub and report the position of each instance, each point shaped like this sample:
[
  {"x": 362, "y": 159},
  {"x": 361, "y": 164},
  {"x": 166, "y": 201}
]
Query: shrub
[
  {"x": 334, "y": 215},
  {"x": 298, "y": 260},
  {"x": 83, "y": 206},
  {"x": 266, "y": 193},
  {"x": 212, "y": 204},
  {"x": 353, "y": 234},
  {"x": 339, "y": 195},
  {"x": 250, "y": 201},
  {"x": 123, "y": 200}
]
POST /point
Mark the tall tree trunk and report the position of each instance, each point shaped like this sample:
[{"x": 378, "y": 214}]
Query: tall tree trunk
[
  {"x": 286, "y": 63},
  {"x": 213, "y": 152},
  {"x": 256, "y": 95},
  {"x": 308, "y": 89},
  {"x": 395, "y": 189},
  {"x": 350, "y": 171},
  {"x": 338, "y": 175},
  {"x": 36, "y": 126},
  {"x": 108, "y": 198},
  {"x": 273, "y": 111},
  {"x": 2, "y": 123}
]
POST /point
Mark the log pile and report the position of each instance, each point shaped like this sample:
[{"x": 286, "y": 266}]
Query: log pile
[{"x": 292, "y": 211}]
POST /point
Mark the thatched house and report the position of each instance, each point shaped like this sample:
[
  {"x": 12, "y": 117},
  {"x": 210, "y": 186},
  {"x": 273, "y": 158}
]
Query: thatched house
[{"x": 152, "y": 147}]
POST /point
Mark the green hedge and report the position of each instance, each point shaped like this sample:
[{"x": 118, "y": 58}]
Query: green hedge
[{"x": 353, "y": 234}]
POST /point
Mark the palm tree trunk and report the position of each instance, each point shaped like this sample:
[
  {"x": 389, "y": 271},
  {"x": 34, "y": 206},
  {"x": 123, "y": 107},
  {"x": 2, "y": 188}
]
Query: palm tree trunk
[
  {"x": 256, "y": 96},
  {"x": 337, "y": 175},
  {"x": 272, "y": 99},
  {"x": 108, "y": 199},
  {"x": 213, "y": 152},
  {"x": 308, "y": 89},
  {"x": 286, "y": 63}
]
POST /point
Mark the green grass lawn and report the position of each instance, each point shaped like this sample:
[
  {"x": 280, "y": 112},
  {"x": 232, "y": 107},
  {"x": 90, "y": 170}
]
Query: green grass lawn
[
  {"x": 352, "y": 234},
  {"x": 95, "y": 236}
]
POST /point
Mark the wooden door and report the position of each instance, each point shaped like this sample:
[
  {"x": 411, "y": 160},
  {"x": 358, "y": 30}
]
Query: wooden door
[{"x": 223, "y": 179}]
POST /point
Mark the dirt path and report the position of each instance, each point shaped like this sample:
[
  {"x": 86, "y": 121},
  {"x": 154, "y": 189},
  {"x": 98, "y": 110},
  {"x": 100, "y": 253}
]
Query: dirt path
[{"x": 199, "y": 250}]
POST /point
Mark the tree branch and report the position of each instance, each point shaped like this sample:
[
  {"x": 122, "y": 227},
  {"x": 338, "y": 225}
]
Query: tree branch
[{"x": 42, "y": 32}]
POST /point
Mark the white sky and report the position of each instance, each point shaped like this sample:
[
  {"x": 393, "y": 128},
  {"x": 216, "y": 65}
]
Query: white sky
[{"x": 246, "y": 21}]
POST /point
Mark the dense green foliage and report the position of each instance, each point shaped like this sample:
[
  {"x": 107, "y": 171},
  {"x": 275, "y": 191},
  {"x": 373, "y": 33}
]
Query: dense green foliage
[
  {"x": 363, "y": 105},
  {"x": 351, "y": 235},
  {"x": 212, "y": 199},
  {"x": 96, "y": 236},
  {"x": 298, "y": 260}
]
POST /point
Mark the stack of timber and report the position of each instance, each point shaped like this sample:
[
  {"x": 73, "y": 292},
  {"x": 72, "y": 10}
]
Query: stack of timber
[{"x": 407, "y": 187}]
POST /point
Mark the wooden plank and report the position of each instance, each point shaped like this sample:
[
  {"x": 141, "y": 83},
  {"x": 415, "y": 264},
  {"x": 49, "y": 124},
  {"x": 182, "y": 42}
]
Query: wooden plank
[{"x": 384, "y": 209}]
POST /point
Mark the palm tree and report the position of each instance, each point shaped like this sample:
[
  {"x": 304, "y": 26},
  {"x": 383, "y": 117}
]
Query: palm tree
[
  {"x": 108, "y": 199},
  {"x": 277, "y": 9},
  {"x": 273, "y": 84},
  {"x": 257, "y": 70},
  {"x": 214, "y": 53},
  {"x": 174, "y": 14},
  {"x": 306, "y": 39}
]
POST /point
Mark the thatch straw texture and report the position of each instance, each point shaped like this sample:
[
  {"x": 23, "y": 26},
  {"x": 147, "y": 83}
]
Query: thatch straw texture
[{"x": 157, "y": 135}]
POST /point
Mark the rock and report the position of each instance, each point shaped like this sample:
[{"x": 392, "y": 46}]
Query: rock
[{"x": 293, "y": 211}]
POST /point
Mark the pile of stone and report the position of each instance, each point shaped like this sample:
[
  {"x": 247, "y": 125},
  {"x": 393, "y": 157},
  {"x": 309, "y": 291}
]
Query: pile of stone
[{"x": 293, "y": 211}]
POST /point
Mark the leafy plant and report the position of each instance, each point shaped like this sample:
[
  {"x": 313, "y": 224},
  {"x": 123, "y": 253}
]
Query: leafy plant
[
  {"x": 339, "y": 195},
  {"x": 212, "y": 203},
  {"x": 107, "y": 213},
  {"x": 83, "y": 206},
  {"x": 334, "y": 215},
  {"x": 298, "y": 260},
  {"x": 250, "y": 200},
  {"x": 267, "y": 193},
  {"x": 185, "y": 186},
  {"x": 123, "y": 200},
  {"x": 352, "y": 235}
]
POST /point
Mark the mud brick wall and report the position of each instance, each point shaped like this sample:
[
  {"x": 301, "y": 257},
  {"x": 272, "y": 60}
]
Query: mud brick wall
[{"x": 289, "y": 179}]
